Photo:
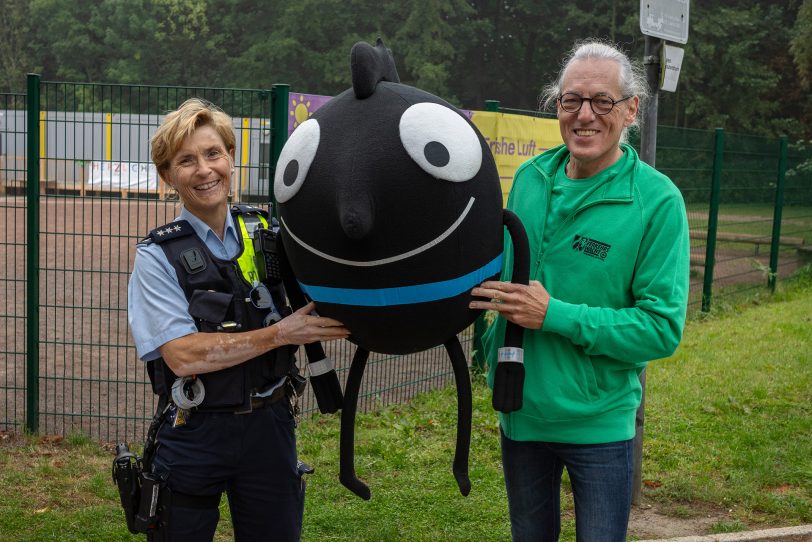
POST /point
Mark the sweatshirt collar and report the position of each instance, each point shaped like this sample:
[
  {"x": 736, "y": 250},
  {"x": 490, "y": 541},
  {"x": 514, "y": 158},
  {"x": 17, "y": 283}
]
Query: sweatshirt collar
[{"x": 619, "y": 188}]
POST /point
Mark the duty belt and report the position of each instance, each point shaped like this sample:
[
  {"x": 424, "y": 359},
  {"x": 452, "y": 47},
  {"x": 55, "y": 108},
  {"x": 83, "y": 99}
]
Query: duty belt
[{"x": 258, "y": 403}]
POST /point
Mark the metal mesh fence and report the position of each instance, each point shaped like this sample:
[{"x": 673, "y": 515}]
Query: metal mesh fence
[
  {"x": 95, "y": 196},
  {"x": 747, "y": 211},
  {"x": 97, "y": 199},
  {"x": 12, "y": 261},
  {"x": 687, "y": 157},
  {"x": 796, "y": 209}
]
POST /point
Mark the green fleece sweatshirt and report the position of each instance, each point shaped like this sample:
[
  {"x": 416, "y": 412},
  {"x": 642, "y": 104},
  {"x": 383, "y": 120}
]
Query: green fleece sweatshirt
[{"x": 613, "y": 252}]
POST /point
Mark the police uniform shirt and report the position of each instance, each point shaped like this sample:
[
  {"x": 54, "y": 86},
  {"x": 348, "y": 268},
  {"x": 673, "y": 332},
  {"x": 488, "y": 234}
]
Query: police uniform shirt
[{"x": 157, "y": 308}]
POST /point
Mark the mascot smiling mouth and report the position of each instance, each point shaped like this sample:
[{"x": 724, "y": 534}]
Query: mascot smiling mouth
[
  {"x": 371, "y": 263},
  {"x": 397, "y": 295}
]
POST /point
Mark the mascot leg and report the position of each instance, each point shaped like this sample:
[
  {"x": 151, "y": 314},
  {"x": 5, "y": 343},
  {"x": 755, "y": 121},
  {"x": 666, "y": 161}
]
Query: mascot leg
[
  {"x": 323, "y": 377},
  {"x": 508, "y": 382},
  {"x": 346, "y": 452},
  {"x": 463, "y": 414}
]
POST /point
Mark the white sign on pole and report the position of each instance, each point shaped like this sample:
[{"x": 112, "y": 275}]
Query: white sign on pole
[
  {"x": 665, "y": 19},
  {"x": 671, "y": 66}
]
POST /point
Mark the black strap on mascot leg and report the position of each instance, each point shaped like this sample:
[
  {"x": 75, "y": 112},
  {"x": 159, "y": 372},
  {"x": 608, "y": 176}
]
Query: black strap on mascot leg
[
  {"x": 346, "y": 451},
  {"x": 463, "y": 381},
  {"x": 323, "y": 377},
  {"x": 508, "y": 382}
]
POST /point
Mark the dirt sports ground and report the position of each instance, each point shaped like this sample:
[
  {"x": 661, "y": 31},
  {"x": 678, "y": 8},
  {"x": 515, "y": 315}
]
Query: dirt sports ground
[{"x": 89, "y": 376}]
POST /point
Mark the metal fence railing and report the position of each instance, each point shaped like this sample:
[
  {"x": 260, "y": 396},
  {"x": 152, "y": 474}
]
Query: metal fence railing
[
  {"x": 12, "y": 259},
  {"x": 76, "y": 193},
  {"x": 68, "y": 360},
  {"x": 750, "y": 222}
]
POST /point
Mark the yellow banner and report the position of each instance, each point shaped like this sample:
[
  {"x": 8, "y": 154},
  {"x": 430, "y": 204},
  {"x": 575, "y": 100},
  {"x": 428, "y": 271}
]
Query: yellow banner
[{"x": 514, "y": 139}]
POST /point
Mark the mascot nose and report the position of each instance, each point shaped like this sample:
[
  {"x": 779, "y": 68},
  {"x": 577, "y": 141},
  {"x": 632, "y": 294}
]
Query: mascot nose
[{"x": 356, "y": 215}]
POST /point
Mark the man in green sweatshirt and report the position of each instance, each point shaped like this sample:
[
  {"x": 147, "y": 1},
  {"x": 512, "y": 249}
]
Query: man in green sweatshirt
[{"x": 609, "y": 269}]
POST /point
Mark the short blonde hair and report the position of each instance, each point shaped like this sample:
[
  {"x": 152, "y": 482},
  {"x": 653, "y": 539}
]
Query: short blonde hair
[{"x": 181, "y": 123}]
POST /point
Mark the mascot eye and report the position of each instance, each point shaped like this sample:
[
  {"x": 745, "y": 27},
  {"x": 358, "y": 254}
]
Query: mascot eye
[
  {"x": 295, "y": 159},
  {"x": 441, "y": 142}
]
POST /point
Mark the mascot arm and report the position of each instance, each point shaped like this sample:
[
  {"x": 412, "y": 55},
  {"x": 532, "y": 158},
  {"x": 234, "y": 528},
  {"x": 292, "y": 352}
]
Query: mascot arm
[
  {"x": 508, "y": 384},
  {"x": 323, "y": 377}
]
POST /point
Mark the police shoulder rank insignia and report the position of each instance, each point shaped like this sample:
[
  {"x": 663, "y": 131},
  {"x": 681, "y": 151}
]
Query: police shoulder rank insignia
[{"x": 173, "y": 230}]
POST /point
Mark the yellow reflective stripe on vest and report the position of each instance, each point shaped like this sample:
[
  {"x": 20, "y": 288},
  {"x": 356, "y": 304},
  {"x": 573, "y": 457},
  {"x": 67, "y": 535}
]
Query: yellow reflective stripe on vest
[{"x": 246, "y": 261}]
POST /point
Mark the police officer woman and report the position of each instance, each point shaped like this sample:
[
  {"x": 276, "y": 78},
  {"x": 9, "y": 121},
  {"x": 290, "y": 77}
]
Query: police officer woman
[{"x": 203, "y": 320}]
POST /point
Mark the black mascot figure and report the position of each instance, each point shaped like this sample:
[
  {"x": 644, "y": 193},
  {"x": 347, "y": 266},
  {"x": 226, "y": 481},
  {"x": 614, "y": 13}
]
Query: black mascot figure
[{"x": 390, "y": 211}]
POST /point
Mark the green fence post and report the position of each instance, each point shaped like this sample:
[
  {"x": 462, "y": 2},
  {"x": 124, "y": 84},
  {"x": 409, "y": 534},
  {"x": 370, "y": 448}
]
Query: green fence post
[
  {"x": 492, "y": 105},
  {"x": 265, "y": 129},
  {"x": 779, "y": 207},
  {"x": 713, "y": 218},
  {"x": 279, "y": 131},
  {"x": 32, "y": 257}
]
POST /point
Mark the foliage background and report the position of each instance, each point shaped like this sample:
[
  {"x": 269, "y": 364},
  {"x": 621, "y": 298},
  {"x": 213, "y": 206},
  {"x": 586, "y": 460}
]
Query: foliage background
[{"x": 747, "y": 65}]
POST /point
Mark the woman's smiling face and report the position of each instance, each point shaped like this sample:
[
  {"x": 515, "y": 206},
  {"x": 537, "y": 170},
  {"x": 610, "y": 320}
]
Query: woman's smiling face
[
  {"x": 593, "y": 140},
  {"x": 201, "y": 172}
]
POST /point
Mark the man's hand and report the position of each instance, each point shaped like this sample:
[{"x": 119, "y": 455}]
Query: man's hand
[{"x": 522, "y": 304}]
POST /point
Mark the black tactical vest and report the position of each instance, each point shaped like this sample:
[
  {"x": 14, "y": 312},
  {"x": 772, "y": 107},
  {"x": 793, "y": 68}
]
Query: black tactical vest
[{"x": 218, "y": 293}]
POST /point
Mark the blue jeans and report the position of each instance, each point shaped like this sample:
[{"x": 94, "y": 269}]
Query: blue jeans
[{"x": 601, "y": 478}]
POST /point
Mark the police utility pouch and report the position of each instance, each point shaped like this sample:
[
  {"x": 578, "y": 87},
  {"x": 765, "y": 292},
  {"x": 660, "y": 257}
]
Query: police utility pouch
[
  {"x": 139, "y": 491},
  {"x": 126, "y": 472},
  {"x": 211, "y": 308},
  {"x": 267, "y": 255},
  {"x": 147, "y": 517}
]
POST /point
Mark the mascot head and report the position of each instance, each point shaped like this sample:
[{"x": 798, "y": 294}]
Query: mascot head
[{"x": 390, "y": 210}]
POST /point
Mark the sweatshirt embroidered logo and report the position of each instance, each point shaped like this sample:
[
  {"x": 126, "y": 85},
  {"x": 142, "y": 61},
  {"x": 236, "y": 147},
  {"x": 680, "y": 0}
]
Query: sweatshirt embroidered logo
[{"x": 591, "y": 247}]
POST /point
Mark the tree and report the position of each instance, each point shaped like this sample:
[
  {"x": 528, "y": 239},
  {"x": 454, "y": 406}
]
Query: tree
[
  {"x": 164, "y": 42},
  {"x": 14, "y": 57},
  {"x": 745, "y": 64},
  {"x": 518, "y": 46},
  {"x": 430, "y": 44},
  {"x": 725, "y": 79},
  {"x": 801, "y": 43},
  {"x": 67, "y": 39}
]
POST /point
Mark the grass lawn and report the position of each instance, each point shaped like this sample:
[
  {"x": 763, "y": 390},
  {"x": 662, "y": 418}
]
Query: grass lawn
[{"x": 728, "y": 427}]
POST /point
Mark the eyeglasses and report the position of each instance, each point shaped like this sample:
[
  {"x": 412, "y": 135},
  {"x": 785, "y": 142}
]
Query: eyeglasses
[
  {"x": 260, "y": 297},
  {"x": 601, "y": 104}
]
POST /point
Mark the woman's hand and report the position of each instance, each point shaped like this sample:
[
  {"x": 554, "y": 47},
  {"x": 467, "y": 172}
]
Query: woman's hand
[
  {"x": 522, "y": 304},
  {"x": 303, "y": 328}
]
